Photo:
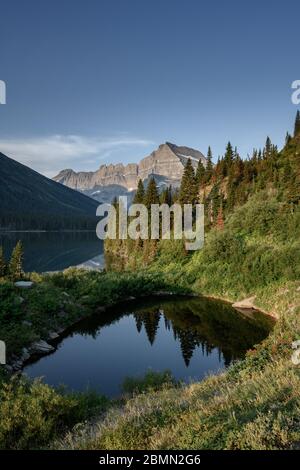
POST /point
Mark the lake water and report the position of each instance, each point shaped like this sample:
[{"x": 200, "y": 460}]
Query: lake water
[
  {"x": 191, "y": 337},
  {"x": 55, "y": 251}
]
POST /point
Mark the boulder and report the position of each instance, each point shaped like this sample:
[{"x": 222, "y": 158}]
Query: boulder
[
  {"x": 53, "y": 335},
  {"x": 24, "y": 284},
  {"x": 25, "y": 355},
  {"x": 41, "y": 347},
  {"x": 17, "y": 365},
  {"x": 245, "y": 303},
  {"x": 162, "y": 293},
  {"x": 101, "y": 309}
]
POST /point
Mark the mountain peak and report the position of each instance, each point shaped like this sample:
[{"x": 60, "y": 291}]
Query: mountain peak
[{"x": 166, "y": 163}]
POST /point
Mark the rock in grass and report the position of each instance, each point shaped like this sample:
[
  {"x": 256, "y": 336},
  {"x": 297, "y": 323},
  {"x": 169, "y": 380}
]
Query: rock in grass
[
  {"x": 246, "y": 303},
  {"x": 24, "y": 284}
]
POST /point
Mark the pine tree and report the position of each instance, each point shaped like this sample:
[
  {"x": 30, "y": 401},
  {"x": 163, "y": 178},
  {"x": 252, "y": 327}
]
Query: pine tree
[
  {"x": 166, "y": 196},
  {"x": 188, "y": 188},
  {"x": 151, "y": 195},
  {"x": 209, "y": 166},
  {"x": 2, "y": 263},
  {"x": 228, "y": 158},
  {"x": 297, "y": 124},
  {"x": 288, "y": 138},
  {"x": 16, "y": 262},
  {"x": 170, "y": 195},
  {"x": 200, "y": 173},
  {"x": 268, "y": 148},
  {"x": 140, "y": 193}
]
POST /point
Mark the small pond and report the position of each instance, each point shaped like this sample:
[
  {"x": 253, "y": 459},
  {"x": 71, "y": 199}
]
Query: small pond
[{"x": 191, "y": 337}]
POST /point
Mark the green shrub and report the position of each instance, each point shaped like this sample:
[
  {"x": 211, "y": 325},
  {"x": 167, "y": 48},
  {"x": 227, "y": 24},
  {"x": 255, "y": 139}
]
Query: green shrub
[{"x": 32, "y": 414}]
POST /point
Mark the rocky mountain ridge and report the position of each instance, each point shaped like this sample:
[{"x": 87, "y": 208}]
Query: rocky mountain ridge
[{"x": 166, "y": 164}]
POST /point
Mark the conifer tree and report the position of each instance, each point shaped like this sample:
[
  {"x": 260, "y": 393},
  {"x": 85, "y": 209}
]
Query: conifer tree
[
  {"x": 288, "y": 138},
  {"x": 200, "y": 173},
  {"x": 2, "y": 263},
  {"x": 228, "y": 158},
  {"x": 166, "y": 196},
  {"x": 188, "y": 188},
  {"x": 268, "y": 148},
  {"x": 170, "y": 195},
  {"x": 151, "y": 194},
  {"x": 16, "y": 262},
  {"x": 297, "y": 124},
  {"x": 140, "y": 193},
  {"x": 209, "y": 166}
]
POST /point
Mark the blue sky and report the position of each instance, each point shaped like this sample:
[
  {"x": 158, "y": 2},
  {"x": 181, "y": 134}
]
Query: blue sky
[{"x": 99, "y": 81}]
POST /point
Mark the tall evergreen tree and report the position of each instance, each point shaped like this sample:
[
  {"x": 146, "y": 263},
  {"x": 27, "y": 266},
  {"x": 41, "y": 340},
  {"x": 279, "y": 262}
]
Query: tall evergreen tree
[
  {"x": 188, "y": 188},
  {"x": 140, "y": 193},
  {"x": 288, "y": 138},
  {"x": 151, "y": 194},
  {"x": 170, "y": 195},
  {"x": 268, "y": 147},
  {"x": 16, "y": 262},
  {"x": 166, "y": 196},
  {"x": 2, "y": 263},
  {"x": 297, "y": 124},
  {"x": 228, "y": 158},
  {"x": 209, "y": 166},
  {"x": 200, "y": 173}
]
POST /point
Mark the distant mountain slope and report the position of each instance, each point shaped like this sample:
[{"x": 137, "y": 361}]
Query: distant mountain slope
[
  {"x": 32, "y": 201},
  {"x": 165, "y": 163}
]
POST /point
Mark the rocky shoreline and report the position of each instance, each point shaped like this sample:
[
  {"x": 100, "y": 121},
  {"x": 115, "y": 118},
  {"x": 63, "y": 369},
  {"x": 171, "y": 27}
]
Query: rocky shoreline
[{"x": 43, "y": 347}]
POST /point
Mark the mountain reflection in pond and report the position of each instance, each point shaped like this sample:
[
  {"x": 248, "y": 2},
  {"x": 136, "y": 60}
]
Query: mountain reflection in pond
[{"x": 190, "y": 337}]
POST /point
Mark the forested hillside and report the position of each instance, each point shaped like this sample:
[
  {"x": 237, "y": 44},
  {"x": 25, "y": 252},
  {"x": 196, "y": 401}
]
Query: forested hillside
[
  {"x": 32, "y": 201},
  {"x": 265, "y": 186}
]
